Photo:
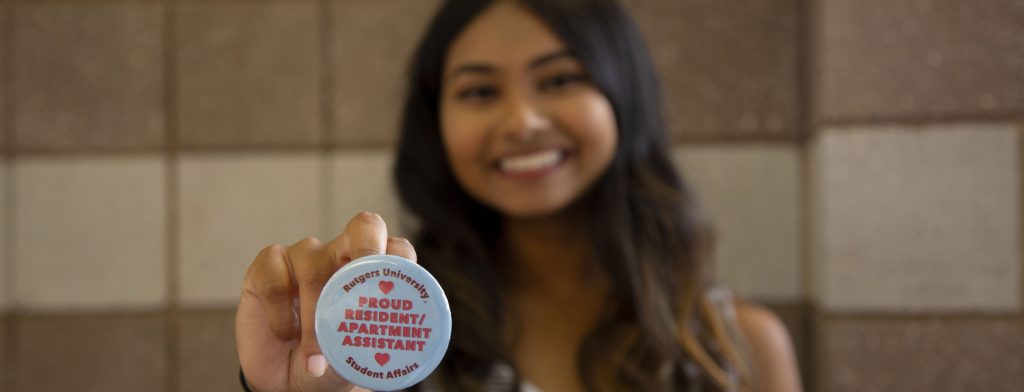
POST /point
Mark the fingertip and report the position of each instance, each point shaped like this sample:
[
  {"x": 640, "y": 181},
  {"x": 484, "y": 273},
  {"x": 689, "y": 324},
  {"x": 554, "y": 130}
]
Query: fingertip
[
  {"x": 316, "y": 365},
  {"x": 400, "y": 246}
]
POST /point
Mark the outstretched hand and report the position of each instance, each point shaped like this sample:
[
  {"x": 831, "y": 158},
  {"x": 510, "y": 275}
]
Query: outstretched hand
[{"x": 274, "y": 332}]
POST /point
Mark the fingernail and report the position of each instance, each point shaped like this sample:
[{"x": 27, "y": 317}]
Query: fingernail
[{"x": 316, "y": 365}]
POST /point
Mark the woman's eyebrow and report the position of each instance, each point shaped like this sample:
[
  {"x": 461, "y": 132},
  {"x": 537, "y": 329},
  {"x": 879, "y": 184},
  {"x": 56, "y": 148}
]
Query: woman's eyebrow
[
  {"x": 483, "y": 68},
  {"x": 539, "y": 61}
]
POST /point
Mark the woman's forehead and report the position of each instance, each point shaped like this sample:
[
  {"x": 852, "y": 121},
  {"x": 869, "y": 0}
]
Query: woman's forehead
[{"x": 506, "y": 34}]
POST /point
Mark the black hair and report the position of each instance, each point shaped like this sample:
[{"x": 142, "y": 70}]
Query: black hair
[{"x": 647, "y": 235}]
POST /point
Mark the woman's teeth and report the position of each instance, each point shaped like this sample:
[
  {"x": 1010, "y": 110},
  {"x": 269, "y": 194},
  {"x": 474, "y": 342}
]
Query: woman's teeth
[{"x": 530, "y": 162}]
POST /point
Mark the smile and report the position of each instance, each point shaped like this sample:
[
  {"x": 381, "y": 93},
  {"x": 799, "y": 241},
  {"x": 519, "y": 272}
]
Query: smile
[{"x": 535, "y": 162}]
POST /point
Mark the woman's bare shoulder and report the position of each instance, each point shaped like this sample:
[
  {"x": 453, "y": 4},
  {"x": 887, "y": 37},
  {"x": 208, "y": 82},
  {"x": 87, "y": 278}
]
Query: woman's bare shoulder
[{"x": 771, "y": 349}]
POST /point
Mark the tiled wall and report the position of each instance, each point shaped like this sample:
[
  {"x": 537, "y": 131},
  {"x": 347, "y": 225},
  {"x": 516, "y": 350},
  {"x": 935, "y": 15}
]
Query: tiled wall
[{"x": 861, "y": 159}]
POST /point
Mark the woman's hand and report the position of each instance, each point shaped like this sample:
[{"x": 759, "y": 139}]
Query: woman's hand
[{"x": 274, "y": 331}]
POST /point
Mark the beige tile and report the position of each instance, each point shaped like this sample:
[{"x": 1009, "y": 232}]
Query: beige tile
[
  {"x": 934, "y": 58},
  {"x": 728, "y": 68},
  {"x": 371, "y": 44},
  {"x": 752, "y": 193},
  {"x": 89, "y": 232},
  {"x": 233, "y": 205},
  {"x": 87, "y": 75},
  {"x": 926, "y": 355},
  {"x": 923, "y": 218},
  {"x": 91, "y": 353},
  {"x": 248, "y": 73},
  {"x": 362, "y": 181},
  {"x": 207, "y": 357}
]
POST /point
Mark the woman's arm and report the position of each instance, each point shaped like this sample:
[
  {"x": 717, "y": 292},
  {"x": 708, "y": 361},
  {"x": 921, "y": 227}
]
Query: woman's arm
[{"x": 770, "y": 348}]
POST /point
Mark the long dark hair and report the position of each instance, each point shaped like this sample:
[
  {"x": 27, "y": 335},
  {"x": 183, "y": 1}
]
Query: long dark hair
[{"x": 647, "y": 235}]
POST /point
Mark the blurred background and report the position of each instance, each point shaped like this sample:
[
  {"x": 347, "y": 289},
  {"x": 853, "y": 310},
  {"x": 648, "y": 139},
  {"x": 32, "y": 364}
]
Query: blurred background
[{"x": 861, "y": 158}]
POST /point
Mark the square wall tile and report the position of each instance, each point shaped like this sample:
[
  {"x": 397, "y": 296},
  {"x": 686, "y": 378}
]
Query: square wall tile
[
  {"x": 752, "y": 194},
  {"x": 234, "y": 205},
  {"x": 919, "y": 218},
  {"x": 207, "y": 357},
  {"x": 728, "y": 68},
  {"x": 88, "y": 75},
  {"x": 372, "y": 42},
  {"x": 248, "y": 73},
  {"x": 6, "y": 354},
  {"x": 921, "y": 355},
  {"x": 914, "y": 59},
  {"x": 89, "y": 232},
  {"x": 798, "y": 320},
  {"x": 5, "y": 92},
  {"x": 362, "y": 181},
  {"x": 5, "y": 225},
  {"x": 91, "y": 353}
]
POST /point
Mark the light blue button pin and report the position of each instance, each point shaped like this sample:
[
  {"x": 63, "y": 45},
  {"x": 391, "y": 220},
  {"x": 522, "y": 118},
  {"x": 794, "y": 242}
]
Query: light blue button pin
[{"x": 383, "y": 322}]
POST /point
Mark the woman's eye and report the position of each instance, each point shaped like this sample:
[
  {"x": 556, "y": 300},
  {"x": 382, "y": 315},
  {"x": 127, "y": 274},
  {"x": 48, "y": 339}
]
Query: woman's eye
[
  {"x": 560, "y": 81},
  {"x": 477, "y": 93}
]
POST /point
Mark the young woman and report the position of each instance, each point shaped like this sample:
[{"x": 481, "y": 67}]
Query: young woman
[{"x": 574, "y": 257}]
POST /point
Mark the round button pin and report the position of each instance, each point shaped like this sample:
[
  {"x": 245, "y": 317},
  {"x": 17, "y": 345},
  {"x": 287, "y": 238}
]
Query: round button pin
[{"x": 383, "y": 322}]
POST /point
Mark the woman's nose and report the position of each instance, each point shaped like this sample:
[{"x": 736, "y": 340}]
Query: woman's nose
[{"x": 523, "y": 120}]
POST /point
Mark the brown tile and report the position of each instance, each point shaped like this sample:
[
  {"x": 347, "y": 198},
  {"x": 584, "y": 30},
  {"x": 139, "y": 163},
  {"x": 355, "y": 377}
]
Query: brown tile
[
  {"x": 372, "y": 42},
  {"x": 248, "y": 73},
  {"x": 797, "y": 318},
  {"x": 925, "y": 354},
  {"x": 91, "y": 353},
  {"x": 4, "y": 58},
  {"x": 5, "y": 217},
  {"x": 882, "y": 59},
  {"x": 87, "y": 75},
  {"x": 6, "y": 357},
  {"x": 207, "y": 358},
  {"x": 728, "y": 68}
]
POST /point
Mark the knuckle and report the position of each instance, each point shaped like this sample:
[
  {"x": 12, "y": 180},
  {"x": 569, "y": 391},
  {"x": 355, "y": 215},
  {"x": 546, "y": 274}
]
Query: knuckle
[
  {"x": 269, "y": 250},
  {"x": 312, "y": 273},
  {"x": 307, "y": 243},
  {"x": 368, "y": 217},
  {"x": 367, "y": 250},
  {"x": 273, "y": 287},
  {"x": 399, "y": 241}
]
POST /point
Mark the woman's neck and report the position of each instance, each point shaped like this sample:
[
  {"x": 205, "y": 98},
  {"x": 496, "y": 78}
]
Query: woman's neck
[{"x": 550, "y": 255}]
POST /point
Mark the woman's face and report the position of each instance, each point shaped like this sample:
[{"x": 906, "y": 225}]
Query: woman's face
[{"x": 525, "y": 131}]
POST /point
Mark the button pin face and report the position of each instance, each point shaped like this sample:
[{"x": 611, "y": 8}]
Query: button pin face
[{"x": 383, "y": 322}]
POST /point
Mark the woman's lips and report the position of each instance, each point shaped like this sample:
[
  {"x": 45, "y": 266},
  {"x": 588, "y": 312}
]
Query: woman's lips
[{"x": 531, "y": 164}]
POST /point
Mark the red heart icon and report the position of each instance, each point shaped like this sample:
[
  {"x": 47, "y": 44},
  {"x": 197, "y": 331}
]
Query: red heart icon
[
  {"x": 382, "y": 358},
  {"x": 386, "y": 286}
]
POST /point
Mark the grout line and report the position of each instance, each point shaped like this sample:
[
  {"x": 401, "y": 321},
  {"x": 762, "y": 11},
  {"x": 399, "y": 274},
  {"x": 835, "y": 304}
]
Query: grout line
[
  {"x": 727, "y": 138},
  {"x": 7, "y": 133},
  {"x": 919, "y": 315},
  {"x": 327, "y": 215},
  {"x": 1020, "y": 214},
  {"x": 919, "y": 119},
  {"x": 9, "y": 315},
  {"x": 806, "y": 71},
  {"x": 172, "y": 318},
  {"x": 806, "y": 95}
]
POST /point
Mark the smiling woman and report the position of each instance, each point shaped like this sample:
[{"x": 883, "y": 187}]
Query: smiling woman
[
  {"x": 525, "y": 130},
  {"x": 573, "y": 255}
]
